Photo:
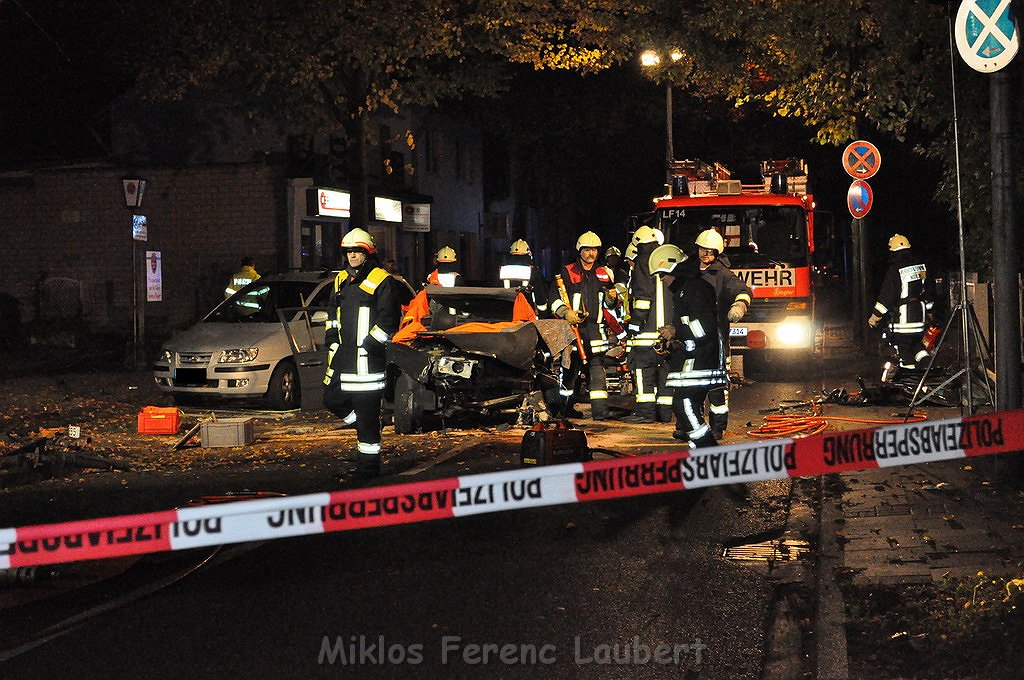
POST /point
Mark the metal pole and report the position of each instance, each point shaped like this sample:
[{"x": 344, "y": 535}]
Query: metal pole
[
  {"x": 669, "y": 147},
  {"x": 964, "y": 319},
  {"x": 135, "y": 305},
  {"x": 1004, "y": 250}
]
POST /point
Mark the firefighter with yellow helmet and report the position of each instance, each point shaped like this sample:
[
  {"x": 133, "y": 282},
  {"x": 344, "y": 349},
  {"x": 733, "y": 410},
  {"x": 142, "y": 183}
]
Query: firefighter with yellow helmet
[
  {"x": 583, "y": 295},
  {"x": 695, "y": 360},
  {"x": 904, "y": 304},
  {"x": 519, "y": 271},
  {"x": 734, "y": 298},
  {"x": 650, "y": 309},
  {"x": 367, "y": 312},
  {"x": 447, "y": 272}
]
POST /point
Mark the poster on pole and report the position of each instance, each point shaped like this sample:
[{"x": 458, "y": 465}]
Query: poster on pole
[{"x": 154, "y": 277}]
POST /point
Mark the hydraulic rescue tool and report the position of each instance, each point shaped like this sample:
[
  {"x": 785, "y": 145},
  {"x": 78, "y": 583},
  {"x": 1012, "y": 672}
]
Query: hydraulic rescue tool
[{"x": 564, "y": 295}]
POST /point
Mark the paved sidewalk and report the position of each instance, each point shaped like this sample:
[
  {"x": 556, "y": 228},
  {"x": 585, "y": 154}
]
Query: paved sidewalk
[{"x": 925, "y": 522}]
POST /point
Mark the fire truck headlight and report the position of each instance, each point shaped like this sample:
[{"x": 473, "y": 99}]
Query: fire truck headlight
[{"x": 794, "y": 333}]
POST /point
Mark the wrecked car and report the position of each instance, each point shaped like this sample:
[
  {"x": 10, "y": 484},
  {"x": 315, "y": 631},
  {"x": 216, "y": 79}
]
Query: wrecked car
[{"x": 472, "y": 349}]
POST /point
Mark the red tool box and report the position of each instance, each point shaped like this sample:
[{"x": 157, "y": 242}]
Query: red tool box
[
  {"x": 553, "y": 442},
  {"x": 159, "y": 420}
]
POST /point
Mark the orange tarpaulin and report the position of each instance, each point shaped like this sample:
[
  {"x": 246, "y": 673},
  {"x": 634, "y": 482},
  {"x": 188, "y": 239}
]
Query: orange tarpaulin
[{"x": 412, "y": 323}]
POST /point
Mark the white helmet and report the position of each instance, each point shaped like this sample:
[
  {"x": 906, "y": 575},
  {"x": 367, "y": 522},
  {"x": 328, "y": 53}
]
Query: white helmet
[
  {"x": 647, "y": 234},
  {"x": 898, "y": 242},
  {"x": 612, "y": 250},
  {"x": 358, "y": 238},
  {"x": 631, "y": 252},
  {"x": 665, "y": 258},
  {"x": 446, "y": 254},
  {"x": 712, "y": 240},
  {"x": 588, "y": 240},
  {"x": 519, "y": 247}
]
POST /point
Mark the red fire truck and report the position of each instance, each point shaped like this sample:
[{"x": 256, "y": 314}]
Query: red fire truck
[{"x": 768, "y": 229}]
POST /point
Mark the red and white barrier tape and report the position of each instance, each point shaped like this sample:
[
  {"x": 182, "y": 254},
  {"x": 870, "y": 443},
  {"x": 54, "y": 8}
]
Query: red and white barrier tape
[{"x": 272, "y": 518}]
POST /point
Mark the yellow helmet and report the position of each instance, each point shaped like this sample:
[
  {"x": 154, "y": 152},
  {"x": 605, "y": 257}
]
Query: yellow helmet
[
  {"x": 898, "y": 242},
  {"x": 712, "y": 240},
  {"x": 631, "y": 252},
  {"x": 647, "y": 234},
  {"x": 588, "y": 240},
  {"x": 519, "y": 247},
  {"x": 358, "y": 239},
  {"x": 446, "y": 254},
  {"x": 665, "y": 258}
]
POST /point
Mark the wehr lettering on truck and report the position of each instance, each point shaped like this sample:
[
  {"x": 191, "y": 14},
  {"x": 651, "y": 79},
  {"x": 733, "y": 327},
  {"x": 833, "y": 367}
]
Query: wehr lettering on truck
[{"x": 768, "y": 231}]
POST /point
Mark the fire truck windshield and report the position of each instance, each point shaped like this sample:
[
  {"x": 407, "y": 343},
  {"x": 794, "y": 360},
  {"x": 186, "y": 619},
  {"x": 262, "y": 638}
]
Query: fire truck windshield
[{"x": 755, "y": 235}]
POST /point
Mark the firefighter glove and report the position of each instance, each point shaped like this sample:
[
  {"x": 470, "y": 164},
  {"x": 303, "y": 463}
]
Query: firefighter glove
[
  {"x": 611, "y": 295},
  {"x": 667, "y": 332},
  {"x": 572, "y": 316},
  {"x": 736, "y": 312},
  {"x": 874, "y": 320}
]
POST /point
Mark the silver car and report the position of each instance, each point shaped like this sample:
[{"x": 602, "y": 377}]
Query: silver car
[{"x": 251, "y": 345}]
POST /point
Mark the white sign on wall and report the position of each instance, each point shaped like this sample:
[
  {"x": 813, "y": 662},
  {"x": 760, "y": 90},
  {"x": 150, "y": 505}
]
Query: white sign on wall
[
  {"x": 154, "y": 277},
  {"x": 333, "y": 203},
  {"x": 387, "y": 209},
  {"x": 416, "y": 217}
]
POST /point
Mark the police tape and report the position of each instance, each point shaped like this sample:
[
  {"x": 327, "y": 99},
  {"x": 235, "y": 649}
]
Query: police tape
[{"x": 279, "y": 517}]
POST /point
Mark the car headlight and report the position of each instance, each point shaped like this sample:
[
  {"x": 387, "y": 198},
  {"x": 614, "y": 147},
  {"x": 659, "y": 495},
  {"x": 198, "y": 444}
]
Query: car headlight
[
  {"x": 167, "y": 356},
  {"x": 795, "y": 333},
  {"x": 238, "y": 356}
]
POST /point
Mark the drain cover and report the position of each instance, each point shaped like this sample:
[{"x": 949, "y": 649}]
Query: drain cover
[{"x": 768, "y": 551}]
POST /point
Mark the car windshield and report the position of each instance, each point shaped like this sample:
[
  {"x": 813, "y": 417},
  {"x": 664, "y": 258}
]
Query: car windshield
[
  {"x": 259, "y": 301},
  {"x": 755, "y": 235}
]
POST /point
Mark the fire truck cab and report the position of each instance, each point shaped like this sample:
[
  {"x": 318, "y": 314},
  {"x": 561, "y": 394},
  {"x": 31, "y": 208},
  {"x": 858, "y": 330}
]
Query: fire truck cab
[{"x": 768, "y": 229}]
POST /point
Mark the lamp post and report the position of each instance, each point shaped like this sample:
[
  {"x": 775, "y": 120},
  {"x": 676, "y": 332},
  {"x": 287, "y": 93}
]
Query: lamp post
[
  {"x": 651, "y": 60},
  {"x": 134, "y": 188}
]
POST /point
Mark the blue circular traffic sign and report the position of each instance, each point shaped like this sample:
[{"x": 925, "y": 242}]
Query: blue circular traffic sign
[
  {"x": 986, "y": 34},
  {"x": 859, "y": 198}
]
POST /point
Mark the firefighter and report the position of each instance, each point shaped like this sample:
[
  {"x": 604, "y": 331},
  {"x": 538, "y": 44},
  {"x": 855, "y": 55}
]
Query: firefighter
[
  {"x": 904, "y": 303},
  {"x": 447, "y": 272},
  {"x": 242, "y": 278},
  {"x": 586, "y": 293},
  {"x": 733, "y": 298},
  {"x": 367, "y": 312},
  {"x": 519, "y": 271},
  {"x": 695, "y": 358},
  {"x": 650, "y": 309}
]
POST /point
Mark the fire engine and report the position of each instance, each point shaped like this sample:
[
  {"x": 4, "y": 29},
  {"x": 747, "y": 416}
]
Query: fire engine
[{"x": 768, "y": 229}]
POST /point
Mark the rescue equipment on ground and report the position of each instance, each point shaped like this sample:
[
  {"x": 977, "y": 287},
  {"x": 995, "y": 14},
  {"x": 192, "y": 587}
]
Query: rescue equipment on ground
[
  {"x": 159, "y": 420},
  {"x": 931, "y": 337},
  {"x": 553, "y": 442}
]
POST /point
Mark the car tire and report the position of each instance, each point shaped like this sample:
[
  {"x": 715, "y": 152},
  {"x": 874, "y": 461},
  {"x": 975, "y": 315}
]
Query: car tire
[
  {"x": 283, "y": 392},
  {"x": 408, "y": 404}
]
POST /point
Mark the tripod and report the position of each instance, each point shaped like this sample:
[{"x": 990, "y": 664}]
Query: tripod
[{"x": 969, "y": 328}]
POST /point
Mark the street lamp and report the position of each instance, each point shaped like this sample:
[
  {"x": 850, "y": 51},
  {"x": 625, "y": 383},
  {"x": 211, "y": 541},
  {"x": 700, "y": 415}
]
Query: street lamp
[{"x": 651, "y": 60}]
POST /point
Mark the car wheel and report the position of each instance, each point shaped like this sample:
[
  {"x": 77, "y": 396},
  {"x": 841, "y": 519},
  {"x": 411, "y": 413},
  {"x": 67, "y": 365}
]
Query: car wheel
[
  {"x": 408, "y": 404},
  {"x": 283, "y": 392}
]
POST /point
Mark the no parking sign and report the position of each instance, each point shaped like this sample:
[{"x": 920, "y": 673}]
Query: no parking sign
[{"x": 859, "y": 198}]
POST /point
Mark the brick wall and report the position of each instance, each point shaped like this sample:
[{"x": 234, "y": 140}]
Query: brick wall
[{"x": 72, "y": 222}]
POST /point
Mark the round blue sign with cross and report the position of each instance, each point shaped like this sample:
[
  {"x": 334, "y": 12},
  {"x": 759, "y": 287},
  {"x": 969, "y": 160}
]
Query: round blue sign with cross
[
  {"x": 986, "y": 34},
  {"x": 859, "y": 198}
]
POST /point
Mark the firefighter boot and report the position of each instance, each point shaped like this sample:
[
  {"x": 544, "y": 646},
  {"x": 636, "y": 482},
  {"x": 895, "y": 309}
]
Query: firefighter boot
[
  {"x": 368, "y": 464},
  {"x": 599, "y": 409},
  {"x": 664, "y": 414},
  {"x": 642, "y": 413},
  {"x": 718, "y": 423}
]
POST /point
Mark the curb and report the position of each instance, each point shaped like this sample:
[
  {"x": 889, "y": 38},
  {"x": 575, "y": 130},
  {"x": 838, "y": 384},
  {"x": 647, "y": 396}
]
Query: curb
[{"x": 832, "y": 662}]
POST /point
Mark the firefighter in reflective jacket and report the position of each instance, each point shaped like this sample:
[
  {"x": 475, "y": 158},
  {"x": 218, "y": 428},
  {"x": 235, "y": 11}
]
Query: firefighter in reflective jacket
[
  {"x": 589, "y": 291},
  {"x": 519, "y": 271},
  {"x": 696, "y": 362},
  {"x": 366, "y": 316},
  {"x": 905, "y": 300},
  {"x": 447, "y": 272},
  {"x": 650, "y": 308},
  {"x": 733, "y": 297}
]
